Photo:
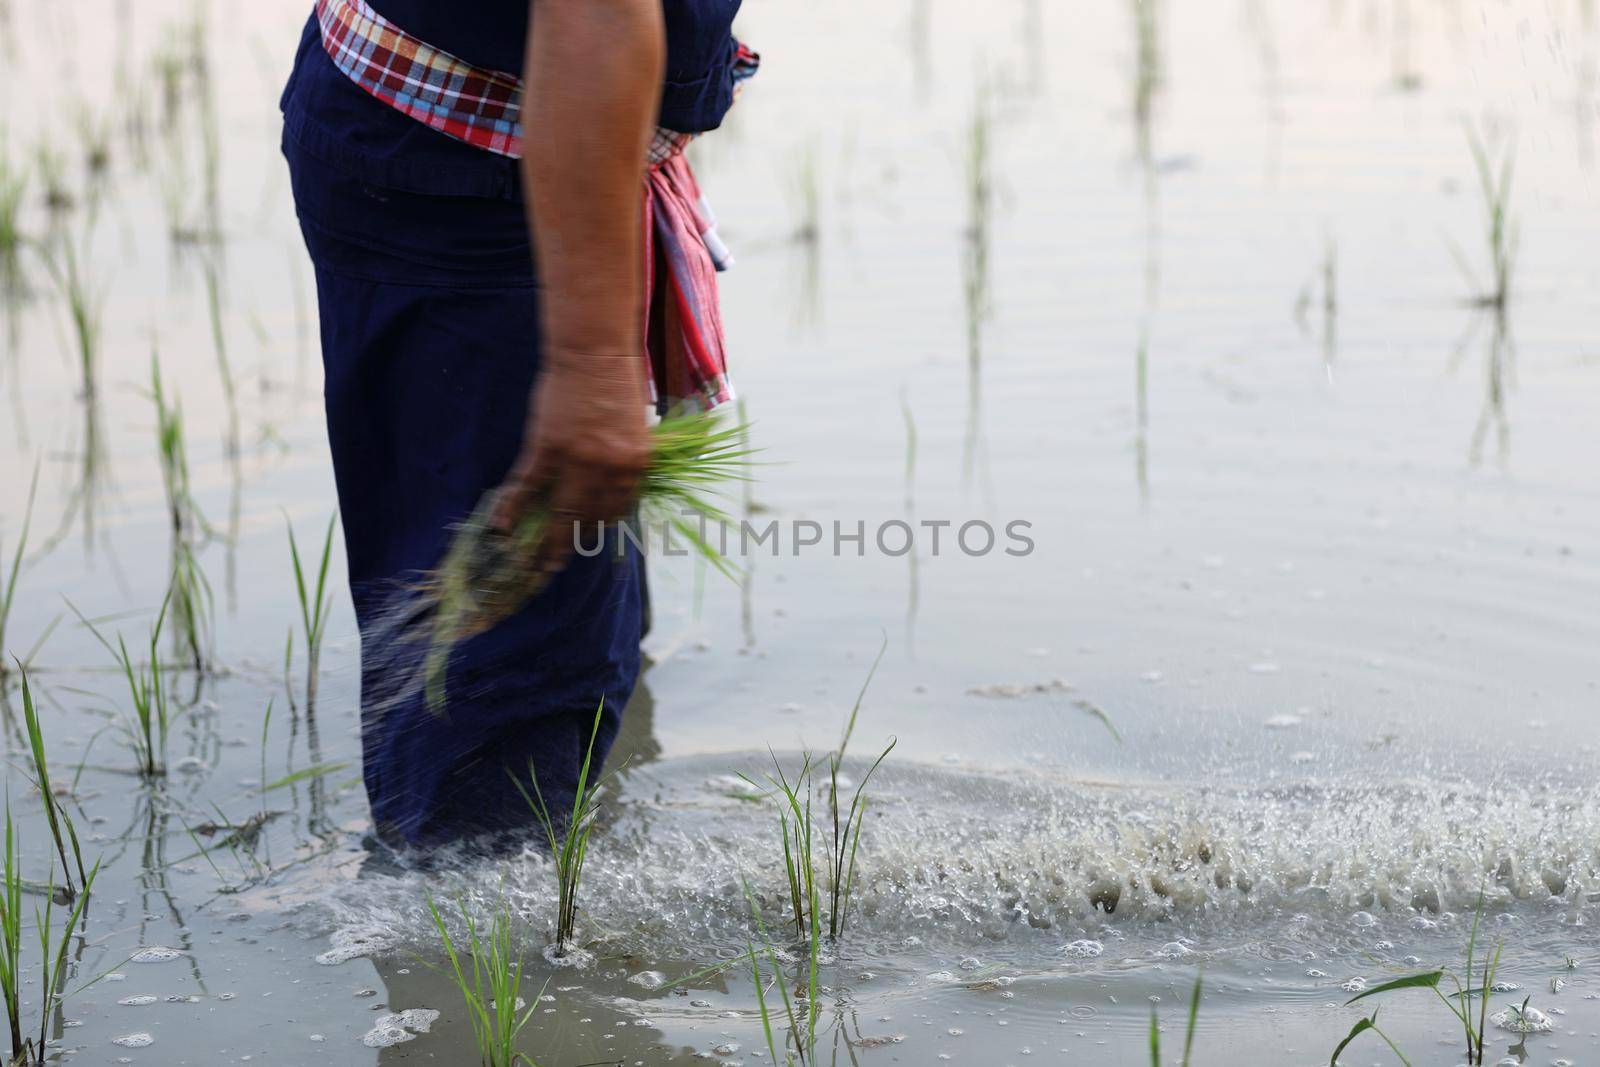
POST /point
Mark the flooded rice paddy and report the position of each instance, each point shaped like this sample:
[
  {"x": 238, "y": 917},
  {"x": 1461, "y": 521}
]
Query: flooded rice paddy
[{"x": 1300, "y": 667}]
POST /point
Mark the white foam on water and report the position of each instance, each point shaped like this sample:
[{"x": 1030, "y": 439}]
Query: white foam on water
[
  {"x": 967, "y": 859},
  {"x": 399, "y": 1027},
  {"x": 138, "y": 1040},
  {"x": 155, "y": 954}
]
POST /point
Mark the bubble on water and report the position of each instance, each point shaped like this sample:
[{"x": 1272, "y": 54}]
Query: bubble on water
[
  {"x": 418, "y": 1019},
  {"x": 386, "y": 1036},
  {"x": 700, "y": 1004},
  {"x": 1523, "y": 1020},
  {"x": 1174, "y": 950},
  {"x": 576, "y": 958},
  {"x": 137, "y": 1040},
  {"x": 970, "y": 963},
  {"x": 1354, "y": 985},
  {"x": 648, "y": 979},
  {"x": 727, "y": 1048},
  {"x": 155, "y": 954},
  {"x": 226, "y": 996},
  {"x": 114, "y": 976},
  {"x": 1364, "y": 919},
  {"x": 941, "y": 977},
  {"x": 399, "y": 1027},
  {"x": 1314, "y": 973},
  {"x": 138, "y": 1001},
  {"x": 1083, "y": 949},
  {"x": 350, "y": 942},
  {"x": 1504, "y": 987}
]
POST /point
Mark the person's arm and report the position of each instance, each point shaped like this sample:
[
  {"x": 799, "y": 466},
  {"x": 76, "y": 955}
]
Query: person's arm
[{"x": 592, "y": 83}]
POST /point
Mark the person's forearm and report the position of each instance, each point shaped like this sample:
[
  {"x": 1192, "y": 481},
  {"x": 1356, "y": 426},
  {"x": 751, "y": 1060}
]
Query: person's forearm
[{"x": 592, "y": 86}]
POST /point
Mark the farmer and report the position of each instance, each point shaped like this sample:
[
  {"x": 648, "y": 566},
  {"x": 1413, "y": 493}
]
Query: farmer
[{"x": 512, "y": 260}]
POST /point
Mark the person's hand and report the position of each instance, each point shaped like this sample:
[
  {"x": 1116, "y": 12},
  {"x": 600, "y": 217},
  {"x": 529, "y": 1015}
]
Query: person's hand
[{"x": 585, "y": 448}]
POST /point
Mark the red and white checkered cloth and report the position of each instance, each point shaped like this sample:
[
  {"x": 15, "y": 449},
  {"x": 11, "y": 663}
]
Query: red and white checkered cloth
[{"x": 684, "y": 347}]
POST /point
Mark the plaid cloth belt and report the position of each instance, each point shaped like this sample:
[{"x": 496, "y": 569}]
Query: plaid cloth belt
[{"x": 684, "y": 347}]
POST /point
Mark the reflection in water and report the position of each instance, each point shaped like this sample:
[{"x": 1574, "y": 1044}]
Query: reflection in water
[
  {"x": 636, "y": 744},
  {"x": 1326, "y": 280},
  {"x": 1407, "y": 77},
  {"x": 1148, "y": 82},
  {"x": 747, "y": 576},
  {"x": 918, "y": 39},
  {"x": 1141, "y": 441},
  {"x": 975, "y": 277},
  {"x": 913, "y": 589},
  {"x": 806, "y": 239},
  {"x": 1258, "y": 22},
  {"x": 1031, "y": 28},
  {"x": 1588, "y": 85},
  {"x": 1499, "y": 375},
  {"x": 90, "y": 480}
]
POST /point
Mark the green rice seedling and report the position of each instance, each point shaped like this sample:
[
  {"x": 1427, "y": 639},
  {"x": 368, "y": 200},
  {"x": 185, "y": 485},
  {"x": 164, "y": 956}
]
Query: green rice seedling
[
  {"x": 1188, "y": 1033},
  {"x": 1363, "y": 1025},
  {"x": 151, "y": 720},
  {"x": 94, "y": 135},
  {"x": 62, "y": 829},
  {"x": 8, "y": 581},
  {"x": 13, "y": 192},
  {"x": 316, "y": 603},
  {"x": 489, "y": 975},
  {"x": 1479, "y": 970},
  {"x": 800, "y": 1024},
  {"x": 83, "y": 308},
  {"x": 980, "y": 205},
  {"x": 52, "y": 169},
  {"x": 569, "y": 837},
  {"x": 835, "y": 833},
  {"x": 1148, "y": 76},
  {"x": 487, "y": 574},
  {"x": 1502, "y": 233},
  {"x": 975, "y": 268},
  {"x": 26, "y": 1048},
  {"x": 192, "y": 601},
  {"x": 219, "y": 339},
  {"x": 807, "y": 194}
]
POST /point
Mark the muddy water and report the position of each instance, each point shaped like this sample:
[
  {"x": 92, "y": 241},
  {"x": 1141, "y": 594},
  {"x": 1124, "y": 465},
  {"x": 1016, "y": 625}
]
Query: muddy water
[{"x": 1324, "y": 556}]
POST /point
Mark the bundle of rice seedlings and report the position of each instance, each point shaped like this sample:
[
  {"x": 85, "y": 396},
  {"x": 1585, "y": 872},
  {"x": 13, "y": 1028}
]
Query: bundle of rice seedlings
[{"x": 487, "y": 575}]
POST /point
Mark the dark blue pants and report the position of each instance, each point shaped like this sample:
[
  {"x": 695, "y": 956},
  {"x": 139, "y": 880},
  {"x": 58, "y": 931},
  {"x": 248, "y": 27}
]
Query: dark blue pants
[{"x": 430, "y": 341}]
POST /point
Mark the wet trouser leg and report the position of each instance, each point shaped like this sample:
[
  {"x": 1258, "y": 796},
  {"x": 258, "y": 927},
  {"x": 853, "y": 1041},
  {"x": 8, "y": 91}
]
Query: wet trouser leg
[{"x": 429, "y": 362}]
